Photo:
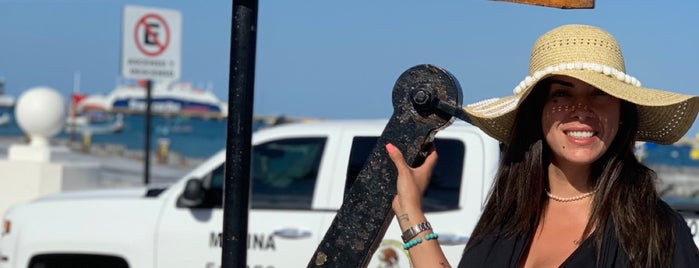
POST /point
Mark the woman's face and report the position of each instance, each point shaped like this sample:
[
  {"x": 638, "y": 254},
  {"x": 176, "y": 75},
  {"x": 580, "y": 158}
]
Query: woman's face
[{"x": 579, "y": 121}]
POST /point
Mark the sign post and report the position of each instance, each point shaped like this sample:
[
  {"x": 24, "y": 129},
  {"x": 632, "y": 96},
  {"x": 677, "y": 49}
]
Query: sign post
[
  {"x": 241, "y": 89},
  {"x": 150, "y": 50}
]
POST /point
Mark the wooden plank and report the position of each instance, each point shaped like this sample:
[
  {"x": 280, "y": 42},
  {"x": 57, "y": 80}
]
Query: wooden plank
[{"x": 563, "y": 4}]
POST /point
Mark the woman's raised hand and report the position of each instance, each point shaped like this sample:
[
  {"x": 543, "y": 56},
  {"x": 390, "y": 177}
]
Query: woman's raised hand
[{"x": 411, "y": 182}]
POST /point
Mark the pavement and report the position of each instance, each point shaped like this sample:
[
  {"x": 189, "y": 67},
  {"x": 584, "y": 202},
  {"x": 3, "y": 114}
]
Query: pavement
[{"x": 117, "y": 165}]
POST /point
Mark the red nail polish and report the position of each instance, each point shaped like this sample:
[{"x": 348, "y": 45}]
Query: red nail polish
[{"x": 390, "y": 148}]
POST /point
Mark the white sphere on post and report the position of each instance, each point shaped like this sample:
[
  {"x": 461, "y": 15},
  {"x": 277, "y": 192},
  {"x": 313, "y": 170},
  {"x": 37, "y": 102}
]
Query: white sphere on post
[{"x": 41, "y": 114}]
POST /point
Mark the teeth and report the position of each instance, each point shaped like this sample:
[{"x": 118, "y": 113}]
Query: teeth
[{"x": 580, "y": 134}]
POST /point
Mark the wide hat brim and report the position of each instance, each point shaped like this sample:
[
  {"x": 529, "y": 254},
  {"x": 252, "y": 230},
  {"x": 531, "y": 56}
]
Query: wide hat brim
[{"x": 663, "y": 117}]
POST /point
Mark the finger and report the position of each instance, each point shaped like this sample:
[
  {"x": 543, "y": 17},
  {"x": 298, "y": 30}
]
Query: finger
[
  {"x": 431, "y": 159},
  {"x": 423, "y": 173},
  {"x": 397, "y": 157}
]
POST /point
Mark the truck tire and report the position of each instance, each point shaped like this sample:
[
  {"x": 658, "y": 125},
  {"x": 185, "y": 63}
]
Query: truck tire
[{"x": 77, "y": 261}]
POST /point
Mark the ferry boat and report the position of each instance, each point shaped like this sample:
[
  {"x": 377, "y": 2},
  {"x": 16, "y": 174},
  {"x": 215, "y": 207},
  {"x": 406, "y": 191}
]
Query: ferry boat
[{"x": 176, "y": 98}]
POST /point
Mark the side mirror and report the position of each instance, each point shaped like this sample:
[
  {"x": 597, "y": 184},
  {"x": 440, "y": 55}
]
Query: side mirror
[{"x": 193, "y": 194}]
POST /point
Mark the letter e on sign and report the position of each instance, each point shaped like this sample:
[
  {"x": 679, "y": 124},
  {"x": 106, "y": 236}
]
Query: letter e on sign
[{"x": 151, "y": 43}]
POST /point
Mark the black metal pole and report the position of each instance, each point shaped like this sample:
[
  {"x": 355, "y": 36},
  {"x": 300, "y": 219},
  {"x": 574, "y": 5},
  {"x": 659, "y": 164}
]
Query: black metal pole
[
  {"x": 239, "y": 133},
  {"x": 146, "y": 142}
]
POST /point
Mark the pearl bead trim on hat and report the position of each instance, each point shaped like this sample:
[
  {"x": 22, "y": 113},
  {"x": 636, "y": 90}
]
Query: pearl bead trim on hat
[
  {"x": 490, "y": 107},
  {"x": 600, "y": 68}
]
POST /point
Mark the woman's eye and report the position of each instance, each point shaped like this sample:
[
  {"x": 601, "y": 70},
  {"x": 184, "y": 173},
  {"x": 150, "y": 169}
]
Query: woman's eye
[{"x": 559, "y": 93}]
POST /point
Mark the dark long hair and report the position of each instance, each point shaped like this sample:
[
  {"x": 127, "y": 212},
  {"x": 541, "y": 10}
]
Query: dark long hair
[{"x": 626, "y": 191}]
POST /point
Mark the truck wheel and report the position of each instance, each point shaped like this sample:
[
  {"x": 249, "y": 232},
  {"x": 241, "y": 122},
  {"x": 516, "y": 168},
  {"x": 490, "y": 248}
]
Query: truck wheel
[{"x": 77, "y": 261}]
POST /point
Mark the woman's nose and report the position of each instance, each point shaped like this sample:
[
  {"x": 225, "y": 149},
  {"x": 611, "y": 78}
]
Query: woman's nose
[{"x": 581, "y": 110}]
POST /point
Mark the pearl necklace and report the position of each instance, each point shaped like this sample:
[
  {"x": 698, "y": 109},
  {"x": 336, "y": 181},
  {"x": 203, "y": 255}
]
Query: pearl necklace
[{"x": 569, "y": 199}]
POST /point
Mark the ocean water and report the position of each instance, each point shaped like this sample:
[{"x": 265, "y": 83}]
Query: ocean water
[{"x": 191, "y": 137}]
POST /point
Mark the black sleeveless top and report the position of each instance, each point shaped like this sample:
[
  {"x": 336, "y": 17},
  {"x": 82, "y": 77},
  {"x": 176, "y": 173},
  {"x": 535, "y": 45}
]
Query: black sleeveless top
[{"x": 495, "y": 251}]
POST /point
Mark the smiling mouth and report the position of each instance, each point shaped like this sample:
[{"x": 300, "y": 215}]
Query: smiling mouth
[{"x": 580, "y": 134}]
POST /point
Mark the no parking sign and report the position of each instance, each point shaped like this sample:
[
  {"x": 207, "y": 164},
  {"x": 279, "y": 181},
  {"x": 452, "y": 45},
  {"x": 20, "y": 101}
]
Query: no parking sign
[{"x": 151, "y": 43}]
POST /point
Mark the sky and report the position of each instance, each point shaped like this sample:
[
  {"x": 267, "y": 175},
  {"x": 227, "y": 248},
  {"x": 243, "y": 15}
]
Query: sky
[{"x": 340, "y": 59}]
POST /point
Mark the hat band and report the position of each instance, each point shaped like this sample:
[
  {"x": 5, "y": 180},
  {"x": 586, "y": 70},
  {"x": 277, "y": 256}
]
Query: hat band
[
  {"x": 600, "y": 68},
  {"x": 494, "y": 107}
]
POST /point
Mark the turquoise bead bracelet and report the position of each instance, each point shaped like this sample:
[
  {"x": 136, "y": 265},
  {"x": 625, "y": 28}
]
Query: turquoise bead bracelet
[
  {"x": 412, "y": 243},
  {"x": 431, "y": 236},
  {"x": 418, "y": 240}
]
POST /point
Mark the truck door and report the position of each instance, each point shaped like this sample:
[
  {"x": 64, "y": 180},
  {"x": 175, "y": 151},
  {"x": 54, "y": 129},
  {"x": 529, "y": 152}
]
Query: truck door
[{"x": 283, "y": 228}]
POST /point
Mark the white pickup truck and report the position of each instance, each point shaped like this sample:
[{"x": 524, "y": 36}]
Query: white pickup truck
[{"x": 299, "y": 175}]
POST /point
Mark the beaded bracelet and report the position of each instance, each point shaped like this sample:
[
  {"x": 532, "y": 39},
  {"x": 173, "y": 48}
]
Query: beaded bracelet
[
  {"x": 418, "y": 240},
  {"x": 431, "y": 236},
  {"x": 412, "y": 243}
]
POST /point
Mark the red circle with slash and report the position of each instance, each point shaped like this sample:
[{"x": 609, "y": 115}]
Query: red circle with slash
[{"x": 159, "y": 45}]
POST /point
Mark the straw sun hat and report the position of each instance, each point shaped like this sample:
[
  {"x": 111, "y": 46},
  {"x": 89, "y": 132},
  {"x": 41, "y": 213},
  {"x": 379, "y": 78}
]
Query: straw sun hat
[{"x": 591, "y": 55}]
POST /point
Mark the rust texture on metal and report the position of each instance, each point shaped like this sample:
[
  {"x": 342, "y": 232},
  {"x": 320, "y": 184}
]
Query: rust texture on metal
[
  {"x": 564, "y": 4},
  {"x": 361, "y": 222}
]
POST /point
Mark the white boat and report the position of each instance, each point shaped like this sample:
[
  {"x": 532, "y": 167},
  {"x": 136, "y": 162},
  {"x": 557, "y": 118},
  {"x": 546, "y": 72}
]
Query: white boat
[
  {"x": 5, "y": 118},
  {"x": 82, "y": 125},
  {"x": 176, "y": 98},
  {"x": 7, "y": 101}
]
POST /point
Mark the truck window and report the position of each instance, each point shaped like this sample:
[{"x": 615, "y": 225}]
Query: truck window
[
  {"x": 443, "y": 191},
  {"x": 284, "y": 173}
]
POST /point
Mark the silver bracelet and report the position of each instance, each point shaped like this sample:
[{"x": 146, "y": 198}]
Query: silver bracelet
[{"x": 411, "y": 232}]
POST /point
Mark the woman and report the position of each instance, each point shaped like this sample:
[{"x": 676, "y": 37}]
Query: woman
[{"x": 569, "y": 191}]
